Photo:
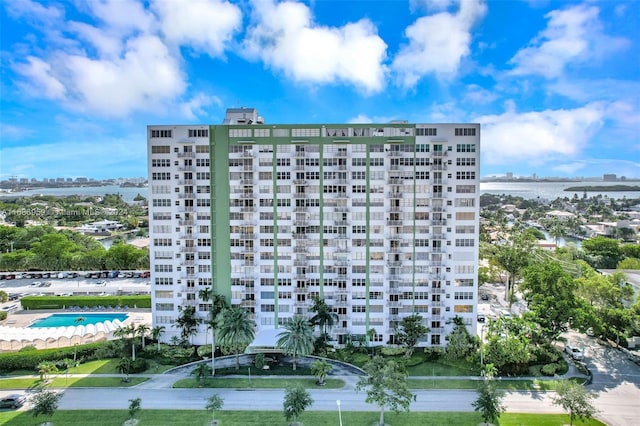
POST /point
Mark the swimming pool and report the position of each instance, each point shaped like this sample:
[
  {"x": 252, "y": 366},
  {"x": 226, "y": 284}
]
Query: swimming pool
[{"x": 64, "y": 320}]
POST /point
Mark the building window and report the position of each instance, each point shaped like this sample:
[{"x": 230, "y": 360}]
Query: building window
[
  {"x": 161, "y": 133},
  {"x": 466, "y": 147},
  {"x": 465, "y": 131},
  {"x": 426, "y": 132},
  {"x": 198, "y": 133}
]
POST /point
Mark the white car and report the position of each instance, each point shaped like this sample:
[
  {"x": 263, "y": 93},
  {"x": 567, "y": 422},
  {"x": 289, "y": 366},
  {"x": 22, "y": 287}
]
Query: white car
[{"x": 574, "y": 352}]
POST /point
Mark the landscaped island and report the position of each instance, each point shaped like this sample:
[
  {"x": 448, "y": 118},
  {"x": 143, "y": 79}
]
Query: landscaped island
[{"x": 604, "y": 188}]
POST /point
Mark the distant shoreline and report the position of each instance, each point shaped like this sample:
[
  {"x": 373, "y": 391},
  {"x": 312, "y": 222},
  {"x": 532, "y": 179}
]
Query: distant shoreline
[{"x": 600, "y": 188}]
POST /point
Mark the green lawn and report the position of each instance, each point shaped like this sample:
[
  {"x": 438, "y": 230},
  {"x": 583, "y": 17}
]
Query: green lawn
[
  {"x": 110, "y": 366},
  {"x": 71, "y": 382},
  {"x": 260, "y": 418},
  {"x": 518, "y": 384},
  {"x": 257, "y": 383},
  {"x": 434, "y": 368}
]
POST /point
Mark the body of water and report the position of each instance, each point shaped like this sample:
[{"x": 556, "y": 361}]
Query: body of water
[
  {"x": 553, "y": 190},
  {"x": 128, "y": 194},
  {"x": 528, "y": 190},
  {"x": 65, "y": 320}
]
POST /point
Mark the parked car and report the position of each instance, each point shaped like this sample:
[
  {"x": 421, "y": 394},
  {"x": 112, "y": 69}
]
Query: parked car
[
  {"x": 481, "y": 318},
  {"x": 15, "y": 400},
  {"x": 574, "y": 352}
]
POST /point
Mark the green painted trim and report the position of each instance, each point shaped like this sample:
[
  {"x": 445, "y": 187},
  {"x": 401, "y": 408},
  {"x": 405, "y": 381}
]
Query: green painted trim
[
  {"x": 213, "y": 231},
  {"x": 274, "y": 188},
  {"x": 413, "y": 253},
  {"x": 367, "y": 261},
  {"x": 220, "y": 207},
  {"x": 321, "y": 217}
]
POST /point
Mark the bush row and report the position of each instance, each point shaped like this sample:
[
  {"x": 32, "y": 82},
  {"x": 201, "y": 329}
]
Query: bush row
[
  {"x": 29, "y": 360},
  {"x": 61, "y": 302}
]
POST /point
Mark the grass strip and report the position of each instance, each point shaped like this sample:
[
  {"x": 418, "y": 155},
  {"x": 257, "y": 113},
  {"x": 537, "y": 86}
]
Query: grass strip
[
  {"x": 257, "y": 383},
  {"x": 260, "y": 418},
  {"x": 71, "y": 382}
]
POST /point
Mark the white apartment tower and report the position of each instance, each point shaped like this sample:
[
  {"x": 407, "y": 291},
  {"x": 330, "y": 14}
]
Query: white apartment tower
[{"x": 379, "y": 220}]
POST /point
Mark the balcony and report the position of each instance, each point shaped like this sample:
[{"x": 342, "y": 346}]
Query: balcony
[
  {"x": 438, "y": 222},
  {"x": 438, "y": 194},
  {"x": 187, "y": 249},
  {"x": 394, "y": 223},
  {"x": 188, "y": 262},
  {"x": 186, "y": 222},
  {"x": 439, "y": 153},
  {"x": 300, "y": 290},
  {"x": 187, "y": 169},
  {"x": 187, "y": 236},
  {"x": 300, "y": 195},
  {"x": 438, "y": 167},
  {"x": 247, "y": 236},
  {"x": 187, "y": 209},
  {"x": 187, "y": 196},
  {"x": 395, "y": 194},
  {"x": 186, "y": 155},
  {"x": 248, "y": 303},
  {"x": 248, "y": 209},
  {"x": 186, "y": 182},
  {"x": 300, "y": 249},
  {"x": 299, "y": 182},
  {"x": 394, "y": 263}
]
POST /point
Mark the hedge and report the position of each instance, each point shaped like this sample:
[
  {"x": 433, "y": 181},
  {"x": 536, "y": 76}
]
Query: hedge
[
  {"x": 29, "y": 360},
  {"x": 3, "y": 315},
  {"x": 61, "y": 302}
]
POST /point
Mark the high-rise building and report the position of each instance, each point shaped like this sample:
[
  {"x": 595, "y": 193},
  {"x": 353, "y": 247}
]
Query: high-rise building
[{"x": 379, "y": 220}]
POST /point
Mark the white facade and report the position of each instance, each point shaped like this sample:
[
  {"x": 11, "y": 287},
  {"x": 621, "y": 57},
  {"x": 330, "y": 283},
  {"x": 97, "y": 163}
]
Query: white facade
[{"x": 379, "y": 220}]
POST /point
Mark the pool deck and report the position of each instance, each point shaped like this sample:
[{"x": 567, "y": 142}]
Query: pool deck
[{"x": 26, "y": 318}]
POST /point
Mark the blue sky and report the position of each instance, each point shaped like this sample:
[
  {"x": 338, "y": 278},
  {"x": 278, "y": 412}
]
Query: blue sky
[{"x": 555, "y": 84}]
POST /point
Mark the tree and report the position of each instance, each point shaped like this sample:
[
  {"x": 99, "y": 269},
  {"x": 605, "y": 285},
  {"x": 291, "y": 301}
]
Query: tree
[
  {"x": 411, "y": 330},
  {"x": 602, "y": 252},
  {"x": 45, "y": 369},
  {"x": 218, "y": 305},
  {"x": 320, "y": 369},
  {"x": 550, "y": 294},
  {"x": 201, "y": 371},
  {"x": 489, "y": 402},
  {"x": 507, "y": 346},
  {"x": 575, "y": 399},
  {"x": 459, "y": 342},
  {"x": 324, "y": 318},
  {"x": 78, "y": 320},
  {"x": 134, "y": 407},
  {"x": 512, "y": 252},
  {"x": 214, "y": 403},
  {"x": 187, "y": 323},
  {"x": 297, "y": 338},
  {"x": 156, "y": 332},
  {"x": 236, "y": 331},
  {"x": 142, "y": 331},
  {"x": 45, "y": 402},
  {"x": 386, "y": 385},
  {"x": 3, "y": 296},
  {"x": 296, "y": 400},
  {"x": 124, "y": 367}
]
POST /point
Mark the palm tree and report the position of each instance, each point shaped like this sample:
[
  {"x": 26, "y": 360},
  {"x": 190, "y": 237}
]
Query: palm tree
[
  {"x": 219, "y": 304},
  {"x": 325, "y": 319},
  {"x": 297, "y": 339},
  {"x": 142, "y": 331},
  {"x": 187, "y": 323},
  {"x": 156, "y": 332},
  {"x": 320, "y": 369},
  {"x": 124, "y": 366},
  {"x": 45, "y": 368},
  {"x": 201, "y": 371},
  {"x": 236, "y": 330},
  {"x": 78, "y": 321}
]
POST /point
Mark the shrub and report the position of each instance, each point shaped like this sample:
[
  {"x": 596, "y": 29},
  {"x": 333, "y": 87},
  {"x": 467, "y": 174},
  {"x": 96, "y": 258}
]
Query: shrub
[
  {"x": 550, "y": 369},
  {"x": 204, "y": 351},
  {"x": 139, "y": 366},
  {"x": 258, "y": 360},
  {"x": 3, "y": 315},
  {"x": 392, "y": 351},
  {"x": 59, "y": 302},
  {"x": 29, "y": 360},
  {"x": 28, "y": 348}
]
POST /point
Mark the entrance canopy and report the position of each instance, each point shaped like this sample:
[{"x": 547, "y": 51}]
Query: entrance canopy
[{"x": 265, "y": 342}]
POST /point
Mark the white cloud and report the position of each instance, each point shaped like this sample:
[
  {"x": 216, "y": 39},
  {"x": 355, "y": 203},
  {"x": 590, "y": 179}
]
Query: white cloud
[
  {"x": 40, "y": 78},
  {"x": 572, "y": 35},
  {"x": 437, "y": 43},
  {"x": 478, "y": 95},
  {"x": 144, "y": 76},
  {"x": 284, "y": 37},
  {"x": 206, "y": 25},
  {"x": 33, "y": 10},
  {"x": 196, "y": 105},
  {"x": 539, "y": 137},
  {"x": 9, "y": 131},
  {"x": 122, "y": 16},
  {"x": 360, "y": 119}
]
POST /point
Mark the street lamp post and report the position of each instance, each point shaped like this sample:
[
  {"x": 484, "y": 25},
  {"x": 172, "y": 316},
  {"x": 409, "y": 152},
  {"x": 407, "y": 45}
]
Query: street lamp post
[
  {"x": 481, "y": 351},
  {"x": 339, "y": 412}
]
